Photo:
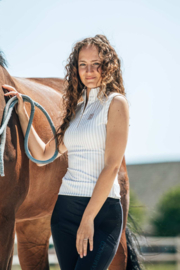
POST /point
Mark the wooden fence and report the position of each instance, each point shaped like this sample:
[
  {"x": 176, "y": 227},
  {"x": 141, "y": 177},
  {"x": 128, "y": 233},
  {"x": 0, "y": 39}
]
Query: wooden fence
[{"x": 160, "y": 249}]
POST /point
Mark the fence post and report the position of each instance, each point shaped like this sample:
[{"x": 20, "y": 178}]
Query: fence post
[{"x": 177, "y": 240}]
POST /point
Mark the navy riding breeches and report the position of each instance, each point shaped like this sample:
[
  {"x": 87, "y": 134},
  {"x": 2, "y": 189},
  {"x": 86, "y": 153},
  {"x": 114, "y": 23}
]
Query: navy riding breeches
[{"x": 65, "y": 221}]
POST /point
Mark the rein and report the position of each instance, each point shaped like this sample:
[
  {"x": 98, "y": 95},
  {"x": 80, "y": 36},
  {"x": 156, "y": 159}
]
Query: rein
[{"x": 6, "y": 116}]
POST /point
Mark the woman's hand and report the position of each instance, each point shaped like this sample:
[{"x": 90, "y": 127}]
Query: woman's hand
[
  {"x": 19, "y": 107},
  {"x": 85, "y": 230}
]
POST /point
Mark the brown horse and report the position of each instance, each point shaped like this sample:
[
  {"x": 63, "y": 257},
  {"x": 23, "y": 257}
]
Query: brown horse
[{"x": 28, "y": 193}]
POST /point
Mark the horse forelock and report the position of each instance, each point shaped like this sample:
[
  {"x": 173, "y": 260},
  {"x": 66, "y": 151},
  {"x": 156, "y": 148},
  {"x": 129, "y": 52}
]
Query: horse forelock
[{"x": 3, "y": 61}]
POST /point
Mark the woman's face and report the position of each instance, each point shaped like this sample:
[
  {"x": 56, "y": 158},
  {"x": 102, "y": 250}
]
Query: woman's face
[{"x": 88, "y": 63}]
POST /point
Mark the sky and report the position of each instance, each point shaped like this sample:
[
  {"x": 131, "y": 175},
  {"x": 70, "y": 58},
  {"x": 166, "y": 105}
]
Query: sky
[{"x": 38, "y": 36}]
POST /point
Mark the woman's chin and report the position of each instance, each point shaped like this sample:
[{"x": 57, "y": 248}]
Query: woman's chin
[{"x": 91, "y": 84}]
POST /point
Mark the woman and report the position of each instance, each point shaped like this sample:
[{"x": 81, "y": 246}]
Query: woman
[{"x": 87, "y": 219}]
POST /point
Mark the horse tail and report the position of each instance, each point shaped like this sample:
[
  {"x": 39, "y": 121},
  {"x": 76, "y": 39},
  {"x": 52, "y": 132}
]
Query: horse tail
[{"x": 134, "y": 253}]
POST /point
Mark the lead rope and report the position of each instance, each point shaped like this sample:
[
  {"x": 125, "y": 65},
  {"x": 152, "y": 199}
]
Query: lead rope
[{"x": 6, "y": 116}]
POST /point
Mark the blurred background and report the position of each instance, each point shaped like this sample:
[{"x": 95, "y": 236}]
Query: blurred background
[{"x": 37, "y": 38}]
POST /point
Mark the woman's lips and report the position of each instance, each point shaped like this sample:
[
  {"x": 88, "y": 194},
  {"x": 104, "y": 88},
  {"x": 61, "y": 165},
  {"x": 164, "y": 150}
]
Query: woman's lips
[{"x": 90, "y": 78}]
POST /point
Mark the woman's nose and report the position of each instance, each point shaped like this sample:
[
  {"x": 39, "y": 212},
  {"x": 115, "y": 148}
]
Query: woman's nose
[{"x": 89, "y": 68}]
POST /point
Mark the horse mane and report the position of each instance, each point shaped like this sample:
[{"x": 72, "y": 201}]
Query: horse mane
[{"x": 3, "y": 62}]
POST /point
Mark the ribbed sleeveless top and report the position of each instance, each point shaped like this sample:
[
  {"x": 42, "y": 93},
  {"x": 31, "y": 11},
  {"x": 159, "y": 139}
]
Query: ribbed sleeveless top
[{"x": 85, "y": 140}]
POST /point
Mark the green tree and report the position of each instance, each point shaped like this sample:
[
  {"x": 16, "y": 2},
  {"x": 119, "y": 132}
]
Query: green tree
[{"x": 166, "y": 221}]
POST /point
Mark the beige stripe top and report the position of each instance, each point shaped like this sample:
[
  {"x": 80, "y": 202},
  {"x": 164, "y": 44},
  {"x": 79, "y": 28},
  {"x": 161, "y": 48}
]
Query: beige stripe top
[{"x": 85, "y": 140}]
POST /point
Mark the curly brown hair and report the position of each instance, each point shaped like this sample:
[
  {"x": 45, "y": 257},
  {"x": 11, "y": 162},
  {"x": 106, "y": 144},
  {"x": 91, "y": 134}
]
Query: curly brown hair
[{"x": 112, "y": 80}]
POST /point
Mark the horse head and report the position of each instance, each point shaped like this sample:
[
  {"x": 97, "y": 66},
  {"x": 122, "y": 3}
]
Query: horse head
[
  {"x": 13, "y": 154},
  {"x": 5, "y": 78}
]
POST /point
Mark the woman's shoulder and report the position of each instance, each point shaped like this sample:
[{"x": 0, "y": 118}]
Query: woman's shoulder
[
  {"x": 116, "y": 100},
  {"x": 116, "y": 93},
  {"x": 116, "y": 96}
]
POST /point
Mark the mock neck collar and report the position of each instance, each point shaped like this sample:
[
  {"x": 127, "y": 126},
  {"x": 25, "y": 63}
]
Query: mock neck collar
[{"x": 92, "y": 94}]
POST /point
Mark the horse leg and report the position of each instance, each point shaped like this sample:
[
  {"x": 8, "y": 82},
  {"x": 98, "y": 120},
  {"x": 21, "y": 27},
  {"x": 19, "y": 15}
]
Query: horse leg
[
  {"x": 7, "y": 234},
  {"x": 10, "y": 260},
  {"x": 33, "y": 243},
  {"x": 119, "y": 261}
]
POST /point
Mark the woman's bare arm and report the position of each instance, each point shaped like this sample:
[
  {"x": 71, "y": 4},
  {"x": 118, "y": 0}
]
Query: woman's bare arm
[{"x": 39, "y": 150}]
